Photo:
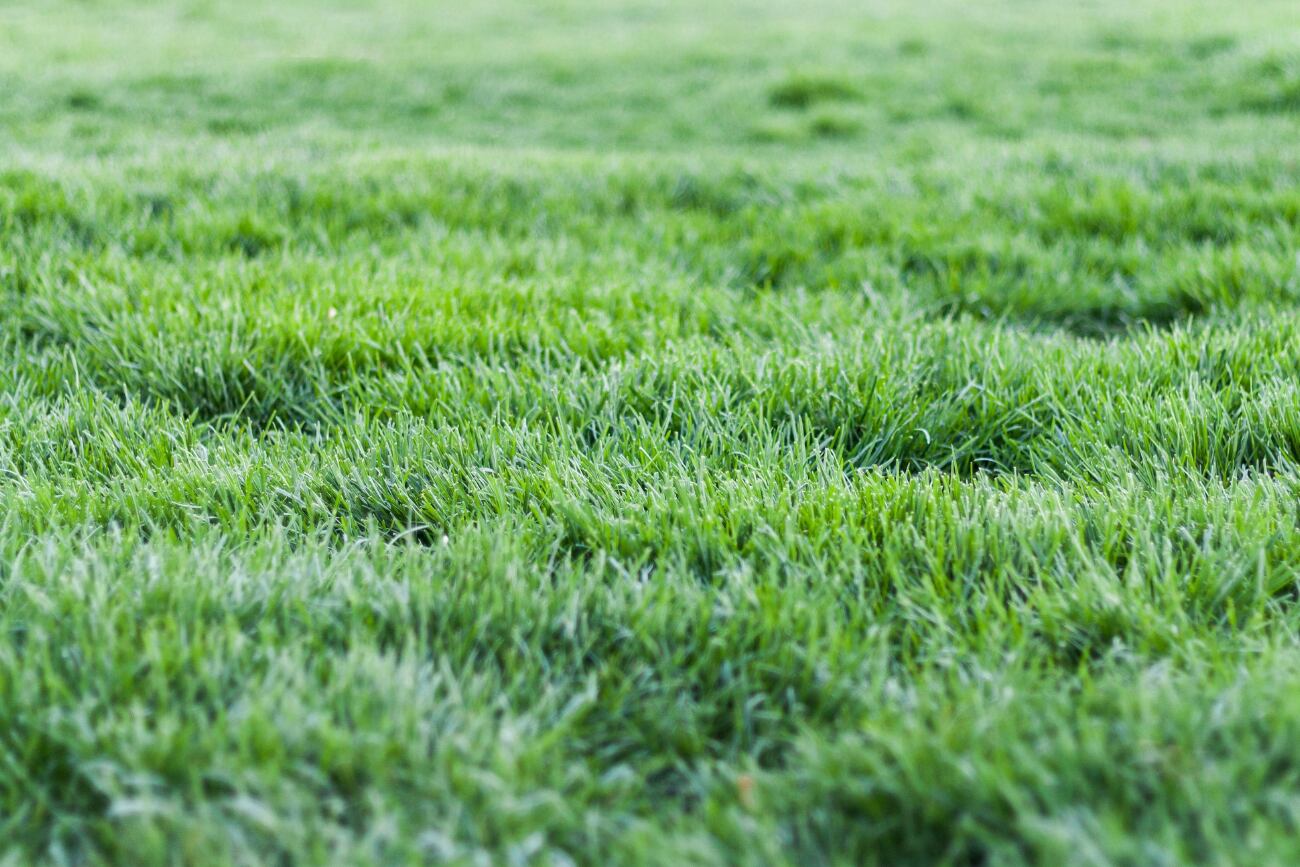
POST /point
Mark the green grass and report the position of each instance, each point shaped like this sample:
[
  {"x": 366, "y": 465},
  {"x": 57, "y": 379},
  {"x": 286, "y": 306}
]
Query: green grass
[{"x": 653, "y": 432}]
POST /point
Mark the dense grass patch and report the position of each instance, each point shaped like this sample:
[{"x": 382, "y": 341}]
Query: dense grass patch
[{"x": 649, "y": 433}]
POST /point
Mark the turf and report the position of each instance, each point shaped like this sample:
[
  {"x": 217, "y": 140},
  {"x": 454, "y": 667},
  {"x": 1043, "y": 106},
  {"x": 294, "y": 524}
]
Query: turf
[{"x": 572, "y": 433}]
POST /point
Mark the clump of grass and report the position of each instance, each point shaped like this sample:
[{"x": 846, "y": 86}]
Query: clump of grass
[
  {"x": 1212, "y": 45},
  {"x": 1271, "y": 86},
  {"x": 83, "y": 100},
  {"x": 913, "y": 46},
  {"x": 803, "y": 90},
  {"x": 833, "y": 124}
]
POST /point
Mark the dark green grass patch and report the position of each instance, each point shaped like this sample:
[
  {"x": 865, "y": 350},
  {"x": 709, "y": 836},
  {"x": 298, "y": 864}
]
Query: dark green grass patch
[{"x": 804, "y": 90}]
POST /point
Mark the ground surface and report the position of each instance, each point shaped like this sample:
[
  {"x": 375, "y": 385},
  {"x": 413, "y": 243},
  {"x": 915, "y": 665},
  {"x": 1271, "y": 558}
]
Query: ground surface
[{"x": 653, "y": 432}]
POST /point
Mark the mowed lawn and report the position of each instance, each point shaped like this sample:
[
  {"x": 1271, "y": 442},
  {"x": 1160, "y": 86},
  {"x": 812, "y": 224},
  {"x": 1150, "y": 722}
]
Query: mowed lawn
[{"x": 653, "y": 432}]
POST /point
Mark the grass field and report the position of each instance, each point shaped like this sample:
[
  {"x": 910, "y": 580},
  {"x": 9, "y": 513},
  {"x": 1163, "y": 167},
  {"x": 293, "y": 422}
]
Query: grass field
[{"x": 650, "y": 432}]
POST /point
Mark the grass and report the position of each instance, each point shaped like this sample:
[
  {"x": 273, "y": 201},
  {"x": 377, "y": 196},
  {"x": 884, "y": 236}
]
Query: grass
[{"x": 649, "y": 432}]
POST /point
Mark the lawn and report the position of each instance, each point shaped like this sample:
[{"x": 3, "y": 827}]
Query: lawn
[{"x": 653, "y": 432}]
